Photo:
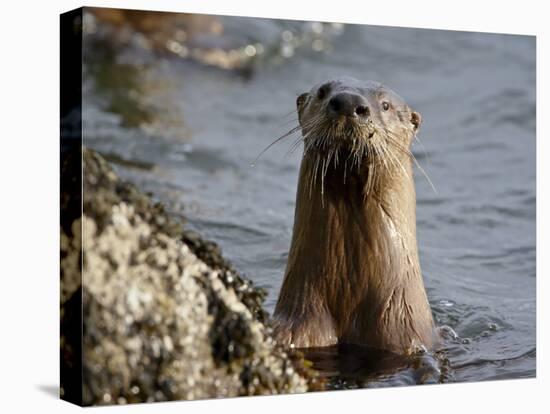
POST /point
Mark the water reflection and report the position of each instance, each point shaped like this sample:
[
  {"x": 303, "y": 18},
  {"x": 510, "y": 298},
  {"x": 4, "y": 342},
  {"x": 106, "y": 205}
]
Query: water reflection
[{"x": 352, "y": 366}]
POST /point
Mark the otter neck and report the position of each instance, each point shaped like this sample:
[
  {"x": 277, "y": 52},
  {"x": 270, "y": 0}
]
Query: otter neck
[{"x": 362, "y": 193}]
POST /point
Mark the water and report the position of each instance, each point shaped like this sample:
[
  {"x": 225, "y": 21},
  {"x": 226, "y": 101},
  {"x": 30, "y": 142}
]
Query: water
[{"x": 476, "y": 234}]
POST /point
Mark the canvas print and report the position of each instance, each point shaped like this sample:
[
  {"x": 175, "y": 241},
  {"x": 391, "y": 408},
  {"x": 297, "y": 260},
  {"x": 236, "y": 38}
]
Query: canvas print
[{"x": 258, "y": 206}]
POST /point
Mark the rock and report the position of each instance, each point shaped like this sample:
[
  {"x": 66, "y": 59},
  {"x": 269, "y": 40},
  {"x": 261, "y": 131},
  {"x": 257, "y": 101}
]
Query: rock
[{"x": 164, "y": 315}]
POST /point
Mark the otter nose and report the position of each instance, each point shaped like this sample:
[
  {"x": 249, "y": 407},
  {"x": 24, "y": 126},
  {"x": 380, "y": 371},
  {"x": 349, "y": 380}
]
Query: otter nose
[{"x": 349, "y": 104}]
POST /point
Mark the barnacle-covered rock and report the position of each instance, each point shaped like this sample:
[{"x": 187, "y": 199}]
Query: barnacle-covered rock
[{"x": 164, "y": 315}]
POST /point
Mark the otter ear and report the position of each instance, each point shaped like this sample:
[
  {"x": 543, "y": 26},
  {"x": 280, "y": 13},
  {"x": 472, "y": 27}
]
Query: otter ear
[
  {"x": 416, "y": 120},
  {"x": 300, "y": 100}
]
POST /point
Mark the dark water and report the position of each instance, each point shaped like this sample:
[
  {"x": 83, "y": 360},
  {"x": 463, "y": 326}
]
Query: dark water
[{"x": 476, "y": 93}]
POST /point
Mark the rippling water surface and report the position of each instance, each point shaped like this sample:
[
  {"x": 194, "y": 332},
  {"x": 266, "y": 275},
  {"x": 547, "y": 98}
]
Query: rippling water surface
[{"x": 476, "y": 93}]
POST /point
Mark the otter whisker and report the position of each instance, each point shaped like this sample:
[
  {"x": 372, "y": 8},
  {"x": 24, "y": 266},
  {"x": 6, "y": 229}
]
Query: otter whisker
[
  {"x": 306, "y": 125},
  {"x": 424, "y": 173},
  {"x": 376, "y": 149},
  {"x": 359, "y": 153},
  {"x": 378, "y": 155},
  {"x": 423, "y": 148},
  {"x": 345, "y": 169},
  {"x": 294, "y": 146},
  {"x": 297, "y": 142},
  {"x": 411, "y": 155},
  {"x": 323, "y": 181},
  {"x": 394, "y": 139},
  {"x": 292, "y": 131},
  {"x": 289, "y": 113},
  {"x": 397, "y": 162},
  {"x": 326, "y": 164},
  {"x": 289, "y": 121},
  {"x": 386, "y": 158},
  {"x": 315, "y": 169},
  {"x": 370, "y": 176}
]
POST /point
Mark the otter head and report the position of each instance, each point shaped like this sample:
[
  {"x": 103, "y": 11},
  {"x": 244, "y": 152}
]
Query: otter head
[{"x": 364, "y": 123}]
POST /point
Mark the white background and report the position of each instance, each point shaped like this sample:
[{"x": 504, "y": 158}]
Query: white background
[{"x": 29, "y": 230}]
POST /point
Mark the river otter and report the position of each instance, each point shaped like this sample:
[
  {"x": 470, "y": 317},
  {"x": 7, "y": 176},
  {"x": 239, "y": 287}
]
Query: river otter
[{"x": 353, "y": 274}]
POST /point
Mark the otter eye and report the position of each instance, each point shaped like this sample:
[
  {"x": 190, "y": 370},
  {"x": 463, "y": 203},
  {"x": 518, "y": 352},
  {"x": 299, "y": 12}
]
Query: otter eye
[
  {"x": 322, "y": 92},
  {"x": 301, "y": 99},
  {"x": 385, "y": 106}
]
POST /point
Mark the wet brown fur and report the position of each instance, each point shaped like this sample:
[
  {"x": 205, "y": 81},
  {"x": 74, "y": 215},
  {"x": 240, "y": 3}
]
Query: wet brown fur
[{"x": 353, "y": 273}]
